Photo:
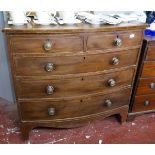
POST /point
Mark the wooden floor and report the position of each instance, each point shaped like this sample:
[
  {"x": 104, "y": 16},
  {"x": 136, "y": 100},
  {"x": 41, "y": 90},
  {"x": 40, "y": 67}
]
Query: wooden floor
[{"x": 107, "y": 131}]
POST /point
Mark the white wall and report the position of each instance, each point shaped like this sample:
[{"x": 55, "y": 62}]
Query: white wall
[{"x": 6, "y": 89}]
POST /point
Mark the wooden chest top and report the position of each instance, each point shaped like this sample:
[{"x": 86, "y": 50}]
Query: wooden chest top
[{"x": 73, "y": 28}]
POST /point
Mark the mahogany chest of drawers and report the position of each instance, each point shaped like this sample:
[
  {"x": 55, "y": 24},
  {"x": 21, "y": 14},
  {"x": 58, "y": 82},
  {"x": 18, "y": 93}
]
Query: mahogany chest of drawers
[
  {"x": 65, "y": 76},
  {"x": 143, "y": 97}
]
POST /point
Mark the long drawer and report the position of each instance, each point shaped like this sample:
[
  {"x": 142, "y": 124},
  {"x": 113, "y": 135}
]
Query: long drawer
[
  {"x": 75, "y": 86},
  {"x": 77, "y": 107},
  {"x": 107, "y": 40},
  {"x": 61, "y": 65},
  {"x": 146, "y": 86},
  {"x": 47, "y": 43},
  {"x": 144, "y": 103}
]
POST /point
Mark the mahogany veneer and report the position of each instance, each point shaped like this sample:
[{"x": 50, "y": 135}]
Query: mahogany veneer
[{"x": 65, "y": 76}]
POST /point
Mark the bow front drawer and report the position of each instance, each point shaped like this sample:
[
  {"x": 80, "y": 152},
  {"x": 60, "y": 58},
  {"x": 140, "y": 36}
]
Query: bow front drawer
[
  {"x": 74, "y": 86},
  {"x": 77, "y": 107},
  {"x": 62, "y": 65},
  {"x": 114, "y": 40},
  {"x": 47, "y": 43}
]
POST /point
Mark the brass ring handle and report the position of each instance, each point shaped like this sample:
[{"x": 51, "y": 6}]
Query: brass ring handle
[
  {"x": 146, "y": 103},
  {"x": 115, "y": 61},
  {"x": 49, "y": 90},
  {"x": 49, "y": 67},
  {"x": 51, "y": 111},
  {"x": 48, "y": 45},
  {"x": 117, "y": 42},
  {"x": 108, "y": 103},
  {"x": 111, "y": 82}
]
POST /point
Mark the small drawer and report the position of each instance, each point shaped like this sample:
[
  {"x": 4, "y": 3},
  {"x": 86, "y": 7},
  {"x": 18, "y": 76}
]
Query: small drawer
[
  {"x": 62, "y": 65},
  {"x": 148, "y": 69},
  {"x": 146, "y": 86},
  {"x": 73, "y": 108},
  {"x": 144, "y": 103},
  {"x": 47, "y": 43},
  {"x": 114, "y": 40},
  {"x": 75, "y": 86},
  {"x": 150, "y": 53}
]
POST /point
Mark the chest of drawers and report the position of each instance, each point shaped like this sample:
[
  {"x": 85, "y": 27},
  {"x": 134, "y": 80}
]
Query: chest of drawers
[
  {"x": 66, "y": 76},
  {"x": 143, "y": 97}
]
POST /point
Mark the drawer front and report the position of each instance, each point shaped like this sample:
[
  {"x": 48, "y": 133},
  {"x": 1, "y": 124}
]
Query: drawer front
[
  {"x": 47, "y": 43},
  {"x": 77, "y": 86},
  {"x": 148, "y": 69},
  {"x": 150, "y": 53},
  {"x": 77, "y": 107},
  {"x": 112, "y": 40},
  {"x": 144, "y": 103},
  {"x": 146, "y": 86},
  {"x": 61, "y": 65}
]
